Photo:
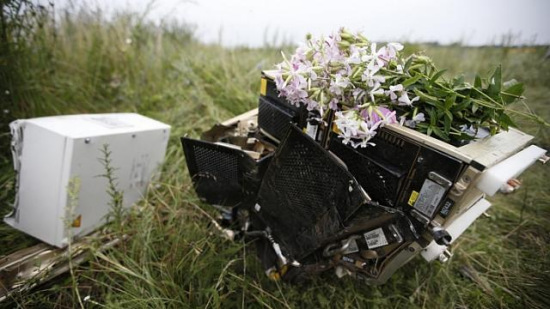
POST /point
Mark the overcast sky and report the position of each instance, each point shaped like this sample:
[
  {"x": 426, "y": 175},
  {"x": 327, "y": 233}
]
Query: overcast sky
[{"x": 253, "y": 22}]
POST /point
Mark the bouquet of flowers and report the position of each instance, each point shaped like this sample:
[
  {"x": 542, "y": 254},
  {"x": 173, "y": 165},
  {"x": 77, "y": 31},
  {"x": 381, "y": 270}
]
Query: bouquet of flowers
[{"x": 367, "y": 87}]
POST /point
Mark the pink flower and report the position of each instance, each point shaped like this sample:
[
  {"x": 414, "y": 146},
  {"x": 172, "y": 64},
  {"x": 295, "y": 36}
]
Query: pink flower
[
  {"x": 311, "y": 104},
  {"x": 333, "y": 104},
  {"x": 389, "y": 52}
]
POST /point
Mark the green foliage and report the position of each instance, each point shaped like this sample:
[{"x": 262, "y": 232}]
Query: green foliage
[
  {"x": 116, "y": 214},
  {"x": 453, "y": 104},
  {"x": 172, "y": 257}
]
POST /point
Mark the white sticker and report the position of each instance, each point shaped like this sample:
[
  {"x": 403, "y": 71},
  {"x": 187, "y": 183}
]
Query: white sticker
[
  {"x": 311, "y": 130},
  {"x": 352, "y": 248},
  {"x": 429, "y": 197},
  {"x": 109, "y": 122},
  {"x": 375, "y": 238}
]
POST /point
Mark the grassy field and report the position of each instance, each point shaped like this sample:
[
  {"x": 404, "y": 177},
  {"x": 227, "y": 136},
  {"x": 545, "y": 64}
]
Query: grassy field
[{"x": 173, "y": 259}]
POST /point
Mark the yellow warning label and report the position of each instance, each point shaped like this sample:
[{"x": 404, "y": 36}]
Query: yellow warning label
[
  {"x": 335, "y": 128},
  {"x": 412, "y": 199},
  {"x": 77, "y": 222},
  {"x": 263, "y": 86}
]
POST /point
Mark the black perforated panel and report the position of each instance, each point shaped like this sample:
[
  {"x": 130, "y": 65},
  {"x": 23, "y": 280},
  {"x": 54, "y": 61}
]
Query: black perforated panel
[
  {"x": 219, "y": 173},
  {"x": 306, "y": 194},
  {"x": 381, "y": 169},
  {"x": 274, "y": 118}
]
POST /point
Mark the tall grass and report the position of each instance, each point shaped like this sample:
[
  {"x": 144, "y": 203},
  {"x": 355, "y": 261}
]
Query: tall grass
[{"x": 83, "y": 63}]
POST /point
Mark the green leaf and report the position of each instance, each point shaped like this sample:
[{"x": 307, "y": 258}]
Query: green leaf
[
  {"x": 448, "y": 122},
  {"x": 412, "y": 80},
  {"x": 440, "y": 133},
  {"x": 458, "y": 81},
  {"x": 477, "y": 82},
  {"x": 462, "y": 105},
  {"x": 407, "y": 64},
  {"x": 512, "y": 93},
  {"x": 433, "y": 116},
  {"x": 505, "y": 121},
  {"x": 475, "y": 107},
  {"x": 449, "y": 115},
  {"x": 429, "y": 132},
  {"x": 441, "y": 93},
  {"x": 436, "y": 76},
  {"x": 450, "y": 101},
  {"x": 425, "y": 97},
  {"x": 495, "y": 83}
]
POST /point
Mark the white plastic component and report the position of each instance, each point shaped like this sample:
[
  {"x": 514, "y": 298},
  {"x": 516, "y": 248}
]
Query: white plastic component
[
  {"x": 52, "y": 152},
  {"x": 456, "y": 228},
  {"x": 495, "y": 177}
]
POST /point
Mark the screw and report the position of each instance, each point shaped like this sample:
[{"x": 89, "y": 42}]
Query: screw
[
  {"x": 411, "y": 249},
  {"x": 87, "y": 140}
]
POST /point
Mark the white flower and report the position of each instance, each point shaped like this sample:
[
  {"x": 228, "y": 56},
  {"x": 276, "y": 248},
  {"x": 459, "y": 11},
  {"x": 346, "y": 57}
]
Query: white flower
[
  {"x": 358, "y": 94},
  {"x": 369, "y": 75},
  {"x": 419, "y": 117},
  {"x": 399, "y": 68},
  {"x": 354, "y": 130},
  {"x": 392, "y": 92},
  {"x": 389, "y": 52},
  {"x": 404, "y": 99},
  {"x": 338, "y": 84},
  {"x": 356, "y": 54},
  {"x": 348, "y": 123},
  {"x": 412, "y": 122},
  {"x": 376, "y": 90},
  {"x": 311, "y": 104},
  {"x": 398, "y": 93}
]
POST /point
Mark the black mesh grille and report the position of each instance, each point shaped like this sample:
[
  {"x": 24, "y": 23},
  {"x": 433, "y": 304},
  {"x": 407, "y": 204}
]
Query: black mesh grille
[
  {"x": 306, "y": 195},
  {"x": 219, "y": 173},
  {"x": 381, "y": 182},
  {"x": 274, "y": 118},
  {"x": 382, "y": 169},
  {"x": 222, "y": 165}
]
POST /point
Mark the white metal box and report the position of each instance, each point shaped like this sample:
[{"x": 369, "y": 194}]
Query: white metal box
[{"x": 51, "y": 152}]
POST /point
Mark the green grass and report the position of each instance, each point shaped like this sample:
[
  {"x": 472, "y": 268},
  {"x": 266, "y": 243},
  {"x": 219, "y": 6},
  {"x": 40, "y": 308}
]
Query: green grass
[{"x": 173, "y": 258}]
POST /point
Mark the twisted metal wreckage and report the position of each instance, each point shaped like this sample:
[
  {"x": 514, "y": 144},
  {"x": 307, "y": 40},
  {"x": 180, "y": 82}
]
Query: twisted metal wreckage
[{"x": 282, "y": 178}]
